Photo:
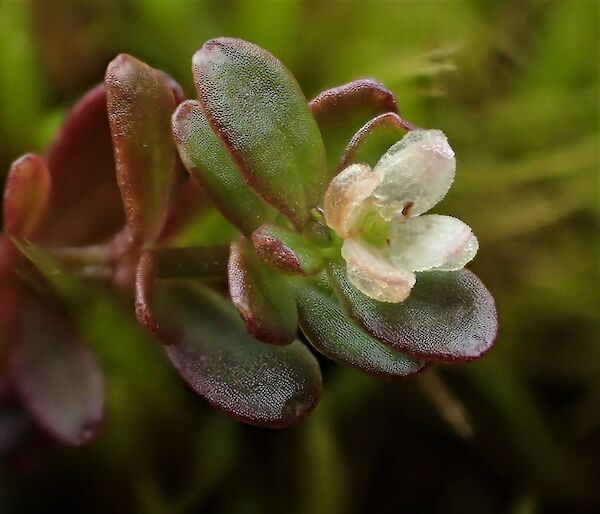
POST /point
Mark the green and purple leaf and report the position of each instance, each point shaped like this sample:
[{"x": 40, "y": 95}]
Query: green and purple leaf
[
  {"x": 331, "y": 331},
  {"x": 140, "y": 104},
  {"x": 258, "y": 110},
  {"x": 85, "y": 205},
  {"x": 260, "y": 384},
  {"x": 374, "y": 139},
  {"x": 205, "y": 157},
  {"x": 287, "y": 251},
  {"x": 261, "y": 295},
  {"x": 26, "y": 195},
  {"x": 449, "y": 315},
  {"x": 341, "y": 111},
  {"x": 57, "y": 376}
]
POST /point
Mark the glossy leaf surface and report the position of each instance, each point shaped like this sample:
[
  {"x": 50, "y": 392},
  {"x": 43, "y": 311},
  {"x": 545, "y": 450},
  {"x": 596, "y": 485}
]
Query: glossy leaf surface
[
  {"x": 341, "y": 111},
  {"x": 261, "y": 295},
  {"x": 140, "y": 104},
  {"x": 260, "y": 384},
  {"x": 26, "y": 195},
  {"x": 205, "y": 157},
  {"x": 333, "y": 333},
  {"x": 449, "y": 316},
  {"x": 85, "y": 205},
  {"x": 286, "y": 250},
  {"x": 259, "y": 111},
  {"x": 374, "y": 139},
  {"x": 57, "y": 376}
]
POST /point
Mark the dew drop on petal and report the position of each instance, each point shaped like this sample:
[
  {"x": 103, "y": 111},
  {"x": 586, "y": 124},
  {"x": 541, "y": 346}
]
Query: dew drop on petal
[
  {"x": 370, "y": 271},
  {"x": 345, "y": 197},
  {"x": 417, "y": 172},
  {"x": 431, "y": 242}
]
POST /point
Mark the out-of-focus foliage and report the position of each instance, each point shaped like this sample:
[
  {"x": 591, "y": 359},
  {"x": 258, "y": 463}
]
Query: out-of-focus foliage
[{"x": 515, "y": 86}]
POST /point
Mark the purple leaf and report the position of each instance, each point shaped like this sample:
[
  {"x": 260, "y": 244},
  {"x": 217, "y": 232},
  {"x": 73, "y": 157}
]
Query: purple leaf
[
  {"x": 342, "y": 110},
  {"x": 26, "y": 195},
  {"x": 374, "y": 139},
  {"x": 449, "y": 315},
  {"x": 57, "y": 376},
  {"x": 140, "y": 104},
  {"x": 286, "y": 250},
  {"x": 85, "y": 204},
  {"x": 258, "y": 110}
]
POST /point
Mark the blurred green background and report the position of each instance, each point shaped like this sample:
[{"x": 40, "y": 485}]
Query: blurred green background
[{"x": 515, "y": 86}]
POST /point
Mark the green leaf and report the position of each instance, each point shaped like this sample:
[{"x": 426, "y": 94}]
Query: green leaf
[
  {"x": 258, "y": 383},
  {"x": 331, "y": 331},
  {"x": 287, "y": 251},
  {"x": 256, "y": 106},
  {"x": 205, "y": 157},
  {"x": 449, "y": 315},
  {"x": 140, "y": 103},
  {"x": 57, "y": 376},
  {"x": 261, "y": 295},
  {"x": 342, "y": 110},
  {"x": 375, "y": 138},
  {"x": 26, "y": 195}
]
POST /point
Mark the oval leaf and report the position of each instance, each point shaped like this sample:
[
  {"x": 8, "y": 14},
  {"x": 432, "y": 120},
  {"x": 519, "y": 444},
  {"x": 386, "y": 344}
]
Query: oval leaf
[
  {"x": 85, "y": 204},
  {"x": 330, "y": 330},
  {"x": 210, "y": 163},
  {"x": 57, "y": 376},
  {"x": 262, "y": 296},
  {"x": 287, "y": 251},
  {"x": 26, "y": 195},
  {"x": 257, "y": 108},
  {"x": 449, "y": 316},
  {"x": 140, "y": 104},
  {"x": 260, "y": 384},
  {"x": 342, "y": 110},
  {"x": 374, "y": 139}
]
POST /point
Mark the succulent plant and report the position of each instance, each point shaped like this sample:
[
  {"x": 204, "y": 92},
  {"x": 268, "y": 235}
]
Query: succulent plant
[{"x": 327, "y": 247}]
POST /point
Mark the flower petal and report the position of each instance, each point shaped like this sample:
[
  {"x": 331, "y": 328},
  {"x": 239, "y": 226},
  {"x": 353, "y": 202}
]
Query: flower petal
[
  {"x": 372, "y": 273},
  {"x": 431, "y": 242},
  {"x": 417, "y": 173},
  {"x": 345, "y": 197}
]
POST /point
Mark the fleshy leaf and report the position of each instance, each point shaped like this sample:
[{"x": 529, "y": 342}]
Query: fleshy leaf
[
  {"x": 210, "y": 163},
  {"x": 260, "y": 384},
  {"x": 342, "y": 110},
  {"x": 449, "y": 315},
  {"x": 374, "y": 139},
  {"x": 286, "y": 250},
  {"x": 85, "y": 205},
  {"x": 140, "y": 104},
  {"x": 261, "y": 295},
  {"x": 26, "y": 195},
  {"x": 331, "y": 331},
  {"x": 257, "y": 108},
  {"x": 57, "y": 376}
]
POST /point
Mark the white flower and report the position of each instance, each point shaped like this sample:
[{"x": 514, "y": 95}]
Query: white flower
[{"x": 378, "y": 213}]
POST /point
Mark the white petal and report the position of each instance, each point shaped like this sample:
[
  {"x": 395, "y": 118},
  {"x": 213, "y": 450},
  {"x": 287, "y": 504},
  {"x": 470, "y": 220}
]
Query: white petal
[
  {"x": 431, "y": 242},
  {"x": 345, "y": 197},
  {"x": 372, "y": 273},
  {"x": 417, "y": 173}
]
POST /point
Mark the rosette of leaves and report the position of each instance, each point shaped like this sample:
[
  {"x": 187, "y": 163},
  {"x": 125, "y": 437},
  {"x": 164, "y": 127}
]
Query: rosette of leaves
[{"x": 112, "y": 200}]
